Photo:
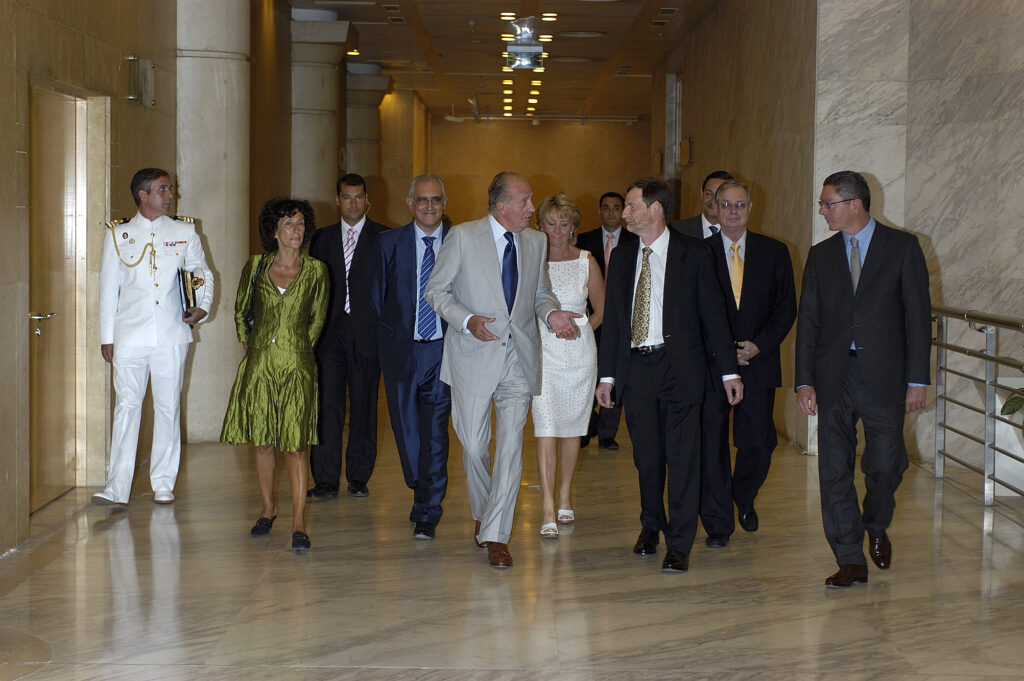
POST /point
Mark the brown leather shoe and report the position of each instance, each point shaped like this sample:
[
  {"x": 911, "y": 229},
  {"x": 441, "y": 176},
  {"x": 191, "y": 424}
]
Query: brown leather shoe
[
  {"x": 849, "y": 573},
  {"x": 498, "y": 555},
  {"x": 476, "y": 533},
  {"x": 880, "y": 550}
]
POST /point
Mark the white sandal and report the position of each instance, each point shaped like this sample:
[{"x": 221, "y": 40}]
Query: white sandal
[
  {"x": 566, "y": 516},
  {"x": 549, "y": 530}
]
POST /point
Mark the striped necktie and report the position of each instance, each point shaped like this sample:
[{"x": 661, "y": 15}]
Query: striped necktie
[{"x": 427, "y": 319}]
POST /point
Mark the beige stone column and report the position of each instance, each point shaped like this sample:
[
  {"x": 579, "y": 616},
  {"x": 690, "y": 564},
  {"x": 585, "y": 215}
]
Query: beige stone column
[
  {"x": 318, "y": 47},
  {"x": 213, "y": 186},
  {"x": 365, "y": 89}
]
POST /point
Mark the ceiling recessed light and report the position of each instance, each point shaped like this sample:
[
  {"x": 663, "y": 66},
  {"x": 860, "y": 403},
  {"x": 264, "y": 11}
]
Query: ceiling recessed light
[
  {"x": 507, "y": 37},
  {"x": 506, "y": 69},
  {"x": 548, "y": 16},
  {"x": 507, "y": 100},
  {"x": 535, "y": 83},
  {"x": 532, "y": 100},
  {"x": 353, "y": 53},
  {"x": 507, "y": 108},
  {"x": 506, "y": 82},
  {"x": 507, "y": 92},
  {"x": 545, "y": 38},
  {"x": 582, "y": 34},
  {"x": 534, "y": 92},
  {"x": 531, "y": 108},
  {"x": 539, "y": 69},
  {"x": 507, "y": 113}
]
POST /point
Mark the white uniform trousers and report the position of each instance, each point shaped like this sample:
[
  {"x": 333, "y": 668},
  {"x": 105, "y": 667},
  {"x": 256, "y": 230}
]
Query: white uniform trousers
[{"x": 133, "y": 368}]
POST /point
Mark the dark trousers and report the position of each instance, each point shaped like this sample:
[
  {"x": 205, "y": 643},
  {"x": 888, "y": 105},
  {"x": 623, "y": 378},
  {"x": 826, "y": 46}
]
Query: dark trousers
[
  {"x": 419, "y": 407},
  {"x": 755, "y": 438},
  {"x": 342, "y": 368},
  {"x": 883, "y": 462},
  {"x": 666, "y": 448}
]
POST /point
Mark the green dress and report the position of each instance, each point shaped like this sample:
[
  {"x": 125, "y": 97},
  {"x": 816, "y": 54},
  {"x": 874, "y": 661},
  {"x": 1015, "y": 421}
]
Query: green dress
[{"x": 274, "y": 399}]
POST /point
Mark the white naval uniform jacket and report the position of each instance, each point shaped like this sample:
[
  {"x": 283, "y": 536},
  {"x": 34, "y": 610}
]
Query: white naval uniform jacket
[{"x": 141, "y": 306}]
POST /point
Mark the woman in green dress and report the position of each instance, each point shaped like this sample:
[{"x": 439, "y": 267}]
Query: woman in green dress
[{"x": 279, "y": 312}]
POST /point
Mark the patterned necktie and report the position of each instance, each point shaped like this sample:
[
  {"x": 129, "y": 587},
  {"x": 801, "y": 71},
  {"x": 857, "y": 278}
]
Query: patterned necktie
[
  {"x": 642, "y": 301},
  {"x": 736, "y": 272},
  {"x": 608, "y": 246},
  {"x": 350, "y": 248},
  {"x": 427, "y": 323},
  {"x": 854, "y": 263},
  {"x": 509, "y": 270}
]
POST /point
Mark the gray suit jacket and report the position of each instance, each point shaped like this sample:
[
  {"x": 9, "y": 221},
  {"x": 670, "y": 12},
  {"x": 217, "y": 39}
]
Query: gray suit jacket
[{"x": 467, "y": 281}]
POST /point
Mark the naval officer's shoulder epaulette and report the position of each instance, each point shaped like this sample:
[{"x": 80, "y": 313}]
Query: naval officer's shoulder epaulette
[
  {"x": 118, "y": 221},
  {"x": 182, "y": 218}
]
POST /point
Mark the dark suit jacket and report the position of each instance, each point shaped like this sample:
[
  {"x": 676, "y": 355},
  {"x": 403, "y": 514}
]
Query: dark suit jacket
[
  {"x": 889, "y": 317},
  {"x": 593, "y": 241},
  {"x": 694, "y": 321},
  {"x": 691, "y": 227},
  {"x": 328, "y": 245},
  {"x": 767, "y": 303},
  {"x": 394, "y": 283}
]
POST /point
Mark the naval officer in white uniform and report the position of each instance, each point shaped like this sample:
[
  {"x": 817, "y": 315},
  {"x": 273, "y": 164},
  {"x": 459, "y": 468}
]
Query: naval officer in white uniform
[{"x": 145, "y": 332}]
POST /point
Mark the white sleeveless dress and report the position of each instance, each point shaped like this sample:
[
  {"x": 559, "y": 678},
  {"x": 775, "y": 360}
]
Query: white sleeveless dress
[{"x": 568, "y": 368}]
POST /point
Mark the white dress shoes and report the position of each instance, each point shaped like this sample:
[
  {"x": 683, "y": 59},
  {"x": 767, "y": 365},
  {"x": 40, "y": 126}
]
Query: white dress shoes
[{"x": 104, "y": 499}]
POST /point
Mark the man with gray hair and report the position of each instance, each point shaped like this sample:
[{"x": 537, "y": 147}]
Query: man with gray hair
[
  {"x": 410, "y": 343},
  {"x": 491, "y": 285}
]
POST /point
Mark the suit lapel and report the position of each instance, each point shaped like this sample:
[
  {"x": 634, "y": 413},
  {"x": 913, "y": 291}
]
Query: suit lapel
[
  {"x": 838, "y": 265},
  {"x": 406, "y": 272},
  {"x": 487, "y": 251},
  {"x": 876, "y": 254}
]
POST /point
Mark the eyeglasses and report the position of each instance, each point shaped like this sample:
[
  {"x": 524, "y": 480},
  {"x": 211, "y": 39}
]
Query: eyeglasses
[
  {"x": 738, "y": 205},
  {"x": 828, "y": 205}
]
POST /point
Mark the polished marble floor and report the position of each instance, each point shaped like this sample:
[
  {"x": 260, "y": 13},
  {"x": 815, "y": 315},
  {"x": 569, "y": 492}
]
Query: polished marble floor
[{"x": 182, "y": 593}]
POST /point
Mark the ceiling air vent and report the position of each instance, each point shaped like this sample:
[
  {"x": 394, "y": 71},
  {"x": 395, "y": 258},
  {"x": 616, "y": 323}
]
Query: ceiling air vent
[{"x": 396, "y": 20}]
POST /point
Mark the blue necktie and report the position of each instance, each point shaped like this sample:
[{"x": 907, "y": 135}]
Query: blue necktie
[
  {"x": 427, "y": 323},
  {"x": 714, "y": 229},
  {"x": 509, "y": 271}
]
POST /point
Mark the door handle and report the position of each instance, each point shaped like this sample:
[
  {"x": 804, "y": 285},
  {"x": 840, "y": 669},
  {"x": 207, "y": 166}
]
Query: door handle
[{"x": 36, "y": 316}]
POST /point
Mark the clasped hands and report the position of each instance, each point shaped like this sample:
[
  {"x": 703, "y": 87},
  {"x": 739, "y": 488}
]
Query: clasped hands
[{"x": 560, "y": 321}]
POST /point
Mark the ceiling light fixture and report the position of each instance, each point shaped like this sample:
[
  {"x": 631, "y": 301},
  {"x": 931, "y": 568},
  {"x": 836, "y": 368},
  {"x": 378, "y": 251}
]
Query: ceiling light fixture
[
  {"x": 507, "y": 100},
  {"x": 535, "y": 83},
  {"x": 546, "y": 38},
  {"x": 353, "y": 52},
  {"x": 506, "y": 82},
  {"x": 534, "y": 92},
  {"x": 548, "y": 16},
  {"x": 532, "y": 100},
  {"x": 508, "y": 92}
]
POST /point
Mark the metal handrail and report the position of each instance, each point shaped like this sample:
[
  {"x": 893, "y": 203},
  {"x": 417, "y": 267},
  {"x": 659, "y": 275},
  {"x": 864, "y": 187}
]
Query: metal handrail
[{"x": 987, "y": 324}]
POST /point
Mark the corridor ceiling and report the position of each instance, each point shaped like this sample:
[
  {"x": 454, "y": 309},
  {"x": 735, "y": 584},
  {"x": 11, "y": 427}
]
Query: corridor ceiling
[{"x": 599, "y": 65}]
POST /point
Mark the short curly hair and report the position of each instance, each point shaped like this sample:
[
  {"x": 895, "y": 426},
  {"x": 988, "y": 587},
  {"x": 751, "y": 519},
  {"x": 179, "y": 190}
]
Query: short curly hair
[{"x": 282, "y": 207}]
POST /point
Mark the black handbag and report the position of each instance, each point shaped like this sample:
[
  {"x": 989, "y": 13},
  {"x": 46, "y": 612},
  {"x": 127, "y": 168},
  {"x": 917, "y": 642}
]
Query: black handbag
[{"x": 250, "y": 316}]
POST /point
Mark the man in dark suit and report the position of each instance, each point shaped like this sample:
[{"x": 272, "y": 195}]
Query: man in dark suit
[
  {"x": 347, "y": 352},
  {"x": 756, "y": 275},
  {"x": 665, "y": 326},
  {"x": 863, "y": 348},
  {"x": 704, "y": 224},
  {"x": 411, "y": 339},
  {"x": 601, "y": 242}
]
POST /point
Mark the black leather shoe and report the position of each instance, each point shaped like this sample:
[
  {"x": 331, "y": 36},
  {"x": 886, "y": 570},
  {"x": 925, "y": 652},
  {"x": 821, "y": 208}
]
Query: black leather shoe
[
  {"x": 262, "y": 527},
  {"x": 880, "y": 550},
  {"x": 358, "y": 489},
  {"x": 646, "y": 543},
  {"x": 675, "y": 561},
  {"x": 322, "y": 492},
  {"x": 849, "y": 573},
  {"x": 717, "y": 541},
  {"x": 300, "y": 541},
  {"x": 423, "y": 531},
  {"x": 748, "y": 520},
  {"x": 608, "y": 443}
]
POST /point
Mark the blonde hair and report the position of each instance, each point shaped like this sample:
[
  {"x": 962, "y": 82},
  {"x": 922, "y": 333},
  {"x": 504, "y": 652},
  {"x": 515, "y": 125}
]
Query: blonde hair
[{"x": 563, "y": 207}]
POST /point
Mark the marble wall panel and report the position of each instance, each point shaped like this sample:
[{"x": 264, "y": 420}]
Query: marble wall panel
[{"x": 864, "y": 40}]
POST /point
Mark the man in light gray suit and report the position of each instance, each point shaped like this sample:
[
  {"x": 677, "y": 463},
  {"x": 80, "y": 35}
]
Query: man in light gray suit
[{"x": 490, "y": 283}]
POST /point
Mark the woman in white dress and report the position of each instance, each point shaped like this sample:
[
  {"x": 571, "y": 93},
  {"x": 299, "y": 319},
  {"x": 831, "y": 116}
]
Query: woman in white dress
[{"x": 561, "y": 412}]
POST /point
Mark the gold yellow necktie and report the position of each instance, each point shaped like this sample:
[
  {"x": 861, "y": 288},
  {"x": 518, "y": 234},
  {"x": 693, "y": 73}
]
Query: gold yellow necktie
[
  {"x": 642, "y": 301},
  {"x": 736, "y": 272}
]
